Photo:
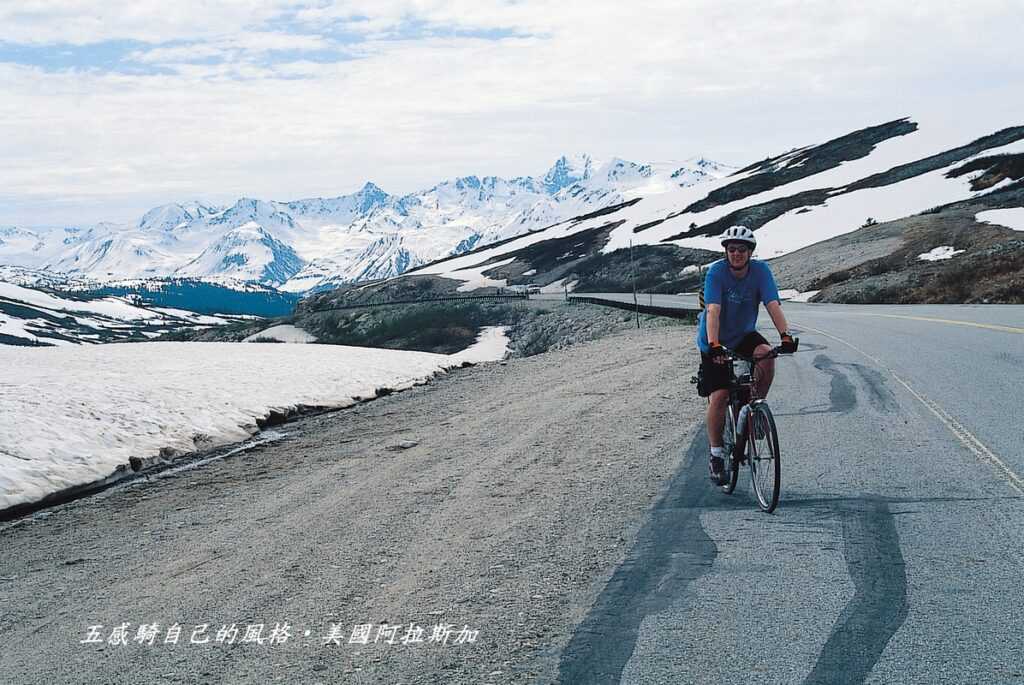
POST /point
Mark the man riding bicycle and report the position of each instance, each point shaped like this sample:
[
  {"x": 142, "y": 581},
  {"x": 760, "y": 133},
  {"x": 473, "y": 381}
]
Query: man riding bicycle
[{"x": 733, "y": 290}]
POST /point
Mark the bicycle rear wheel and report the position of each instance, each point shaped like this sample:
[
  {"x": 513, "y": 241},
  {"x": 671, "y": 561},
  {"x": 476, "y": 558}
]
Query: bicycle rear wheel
[
  {"x": 763, "y": 455},
  {"x": 729, "y": 443}
]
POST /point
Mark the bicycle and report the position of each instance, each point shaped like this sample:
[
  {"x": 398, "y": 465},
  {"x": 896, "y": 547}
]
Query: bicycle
[{"x": 748, "y": 416}]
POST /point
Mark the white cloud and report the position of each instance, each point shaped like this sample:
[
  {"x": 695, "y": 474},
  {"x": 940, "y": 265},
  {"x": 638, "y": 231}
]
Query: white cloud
[
  {"x": 231, "y": 48},
  {"x": 430, "y": 89}
]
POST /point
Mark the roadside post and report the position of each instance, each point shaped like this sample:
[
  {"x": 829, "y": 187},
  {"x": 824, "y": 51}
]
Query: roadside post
[{"x": 632, "y": 269}]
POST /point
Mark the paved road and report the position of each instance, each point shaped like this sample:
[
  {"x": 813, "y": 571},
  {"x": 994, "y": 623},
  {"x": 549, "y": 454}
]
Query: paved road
[
  {"x": 681, "y": 301},
  {"x": 895, "y": 554},
  {"x": 963, "y": 362},
  {"x": 593, "y": 555},
  {"x": 499, "y": 499}
]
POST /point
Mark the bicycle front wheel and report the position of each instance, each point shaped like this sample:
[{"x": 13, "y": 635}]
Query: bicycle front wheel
[
  {"x": 729, "y": 443},
  {"x": 763, "y": 456}
]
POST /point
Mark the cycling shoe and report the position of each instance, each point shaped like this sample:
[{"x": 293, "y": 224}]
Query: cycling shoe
[{"x": 716, "y": 469}]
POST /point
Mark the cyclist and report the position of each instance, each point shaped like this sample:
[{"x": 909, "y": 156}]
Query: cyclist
[{"x": 733, "y": 291}]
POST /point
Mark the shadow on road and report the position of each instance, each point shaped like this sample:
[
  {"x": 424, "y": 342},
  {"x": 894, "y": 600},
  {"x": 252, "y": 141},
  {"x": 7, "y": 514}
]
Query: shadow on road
[{"x": 673, "y": 549}]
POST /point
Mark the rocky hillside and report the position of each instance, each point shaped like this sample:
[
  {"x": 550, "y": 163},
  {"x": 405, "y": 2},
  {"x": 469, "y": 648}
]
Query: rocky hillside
[
  {"x": 895, "y": 212},
  {"x": 878, "y": 197},
  {"x": 533, "y": 327},
  {"x": 895, "y": 262}
]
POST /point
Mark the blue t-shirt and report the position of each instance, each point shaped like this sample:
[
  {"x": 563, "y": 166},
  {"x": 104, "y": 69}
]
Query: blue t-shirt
[{"x": 740, "y": 299}]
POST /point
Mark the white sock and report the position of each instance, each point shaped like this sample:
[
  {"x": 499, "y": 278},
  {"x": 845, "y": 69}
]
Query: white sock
[{"x": 718, "y": 452}]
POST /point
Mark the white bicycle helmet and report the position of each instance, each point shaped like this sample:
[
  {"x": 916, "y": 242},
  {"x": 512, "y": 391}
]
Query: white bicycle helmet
[{"x": 740, "y": 233}]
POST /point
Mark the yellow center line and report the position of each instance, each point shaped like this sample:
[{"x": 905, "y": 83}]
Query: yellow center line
[{"x": 991, "y": 326}]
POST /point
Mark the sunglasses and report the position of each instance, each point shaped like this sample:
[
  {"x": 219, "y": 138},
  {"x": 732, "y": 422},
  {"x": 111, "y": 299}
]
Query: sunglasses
[{"x": 737, "y": 248}]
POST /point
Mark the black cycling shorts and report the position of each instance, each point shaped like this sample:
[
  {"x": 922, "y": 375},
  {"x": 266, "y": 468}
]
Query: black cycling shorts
[{"x": 717, "y": 376}]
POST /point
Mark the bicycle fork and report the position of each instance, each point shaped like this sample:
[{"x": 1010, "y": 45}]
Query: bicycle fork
[{"x": 741, "y": 418}]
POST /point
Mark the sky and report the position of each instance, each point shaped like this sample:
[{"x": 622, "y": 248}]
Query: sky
[{"x": 110, "y": 108}]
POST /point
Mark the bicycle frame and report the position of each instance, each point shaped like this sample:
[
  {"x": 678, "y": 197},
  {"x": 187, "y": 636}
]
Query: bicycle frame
[
  {"x": 740, "y": 395},
  {"x": 751, "y": 431},
  {"x": 741, "y": 390}
]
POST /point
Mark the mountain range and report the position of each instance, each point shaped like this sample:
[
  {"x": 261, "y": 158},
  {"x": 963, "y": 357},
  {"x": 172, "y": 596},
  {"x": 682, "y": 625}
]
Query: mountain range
[
  {"x": 895, "y": 212},
  {"x": 318, "y": 243},
  {"x": 899, "y": 212}
]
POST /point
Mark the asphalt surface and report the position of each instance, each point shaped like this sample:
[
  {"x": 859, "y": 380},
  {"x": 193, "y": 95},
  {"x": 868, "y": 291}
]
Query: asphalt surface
[
  {"x": 652, "y": 299},
  {"x": 895, "y": 553},
  {"x": 596, "y": 554},
  {"x": 497, "y": 499}
]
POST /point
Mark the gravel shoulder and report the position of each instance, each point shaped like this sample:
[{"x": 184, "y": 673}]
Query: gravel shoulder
[{"x": 500, "y": 497}]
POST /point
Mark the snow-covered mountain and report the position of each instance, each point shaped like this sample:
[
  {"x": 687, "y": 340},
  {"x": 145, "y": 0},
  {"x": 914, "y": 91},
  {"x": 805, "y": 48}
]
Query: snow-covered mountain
[
  {"x": 19, "y": 240},
  {"x": 318, "y": 242},
  {"x": 699, "y": 170},
  {"x": 33, "y": 247},
  {"x": 247, "y": 252},
  {"x": 550, "y": 228},
  {"x": 566, "y": 172},
  {"x": 800, "y": 198},
  {"x": 165, "y": 218},
  {"x": 117, "y": 253}
]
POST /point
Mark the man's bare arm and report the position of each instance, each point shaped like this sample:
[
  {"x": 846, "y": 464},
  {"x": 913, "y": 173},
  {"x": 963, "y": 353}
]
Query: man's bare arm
[
  {"x": 775, "y": 312},
  {"x": 712, "y": 322}
]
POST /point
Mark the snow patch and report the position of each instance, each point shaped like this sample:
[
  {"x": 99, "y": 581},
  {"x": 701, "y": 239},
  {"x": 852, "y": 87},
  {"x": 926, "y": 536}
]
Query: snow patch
[
  {"x": 1011, "y": 218},
  {"x": 75, "y": 415},
  {"x": 491, "y": 345},
  {"x": 285, "y": 334},
  {"x": 474, "y": 278},
  {"x": 797, "y": 296},
  {"x": 940, "y": 252},
  {"x": 558, "y": 287}
]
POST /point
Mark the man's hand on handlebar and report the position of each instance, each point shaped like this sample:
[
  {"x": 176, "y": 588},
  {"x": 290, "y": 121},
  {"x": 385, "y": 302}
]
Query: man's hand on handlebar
[
  {"x": 718, "y": 353},
  {"x": 789, "y": 344}
]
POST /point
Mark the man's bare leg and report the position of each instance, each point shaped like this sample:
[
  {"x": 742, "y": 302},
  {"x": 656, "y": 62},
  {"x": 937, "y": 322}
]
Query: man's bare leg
[
  {"x": 765, "y": 372},
  {"x": 715, "y": 419}
]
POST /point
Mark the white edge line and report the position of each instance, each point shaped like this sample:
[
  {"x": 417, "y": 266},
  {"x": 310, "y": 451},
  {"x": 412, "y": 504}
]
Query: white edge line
[{"x": 972, "y": 443}]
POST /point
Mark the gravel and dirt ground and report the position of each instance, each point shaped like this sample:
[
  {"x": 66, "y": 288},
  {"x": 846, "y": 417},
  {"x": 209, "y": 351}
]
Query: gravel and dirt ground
[{"x": 497, "y": 499}]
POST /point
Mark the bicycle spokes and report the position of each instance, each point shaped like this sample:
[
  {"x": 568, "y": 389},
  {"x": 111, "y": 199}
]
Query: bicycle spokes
[{"x": 763, "y": 454}]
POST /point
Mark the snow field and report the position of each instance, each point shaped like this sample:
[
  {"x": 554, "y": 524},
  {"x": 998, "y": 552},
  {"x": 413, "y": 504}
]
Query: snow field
[
  {"x": 73, "y": 415},
  {"x": 1011, "y": 218}
]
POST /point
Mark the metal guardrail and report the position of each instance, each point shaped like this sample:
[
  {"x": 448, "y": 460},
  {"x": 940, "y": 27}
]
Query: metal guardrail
[
  {"x": 429, "y": 300},
  {"x": 685, "y": 313}
]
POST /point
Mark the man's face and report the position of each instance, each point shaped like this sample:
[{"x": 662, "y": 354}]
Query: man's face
[{"x": 738, "y": 254}]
